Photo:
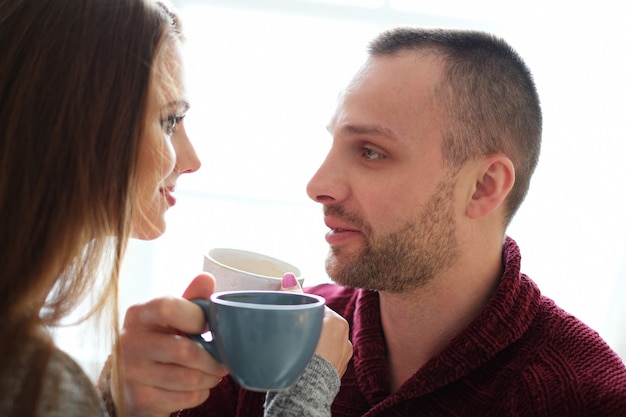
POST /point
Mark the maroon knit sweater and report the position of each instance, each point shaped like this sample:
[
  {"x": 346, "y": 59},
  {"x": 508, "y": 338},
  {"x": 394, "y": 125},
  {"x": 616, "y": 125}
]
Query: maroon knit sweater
[{"x": 522, "y": 356}]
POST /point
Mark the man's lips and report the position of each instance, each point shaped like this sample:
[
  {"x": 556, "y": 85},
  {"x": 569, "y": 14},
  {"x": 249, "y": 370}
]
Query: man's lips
[
  {"x": 340, "y": 232},
  {"x": 338, "y": 225}
]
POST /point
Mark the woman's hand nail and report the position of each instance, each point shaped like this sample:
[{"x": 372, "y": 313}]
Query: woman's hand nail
[{"x": 289, "y": 280}]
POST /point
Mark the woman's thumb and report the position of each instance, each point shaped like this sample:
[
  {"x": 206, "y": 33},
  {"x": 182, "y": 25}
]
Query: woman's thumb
[{"x": 201, "y": 286}]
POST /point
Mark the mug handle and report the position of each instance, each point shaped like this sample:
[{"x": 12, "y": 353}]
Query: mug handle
[{"x": 208, "y": 346}]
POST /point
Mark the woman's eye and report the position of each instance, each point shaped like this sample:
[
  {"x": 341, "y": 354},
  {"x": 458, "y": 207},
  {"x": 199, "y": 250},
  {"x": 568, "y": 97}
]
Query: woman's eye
[{"x": 169, "y": 123}]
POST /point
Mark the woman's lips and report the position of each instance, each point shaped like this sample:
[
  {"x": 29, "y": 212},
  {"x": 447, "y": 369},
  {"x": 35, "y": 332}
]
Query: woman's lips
[{"x": 169, "y": 197}]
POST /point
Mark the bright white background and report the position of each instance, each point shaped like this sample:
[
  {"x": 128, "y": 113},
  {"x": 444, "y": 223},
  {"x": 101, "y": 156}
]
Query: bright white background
[{"x": 263, "y": 76}]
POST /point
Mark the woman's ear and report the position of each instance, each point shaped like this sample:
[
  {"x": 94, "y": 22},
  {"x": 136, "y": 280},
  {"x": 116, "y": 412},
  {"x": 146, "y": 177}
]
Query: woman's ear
[{"x": 495, "y": 177}]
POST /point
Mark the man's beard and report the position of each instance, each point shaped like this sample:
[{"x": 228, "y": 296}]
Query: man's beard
[{"x": 401, "y": 260}]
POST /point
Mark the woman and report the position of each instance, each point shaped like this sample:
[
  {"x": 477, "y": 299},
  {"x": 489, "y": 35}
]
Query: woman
[
  {"x": 92, "y": 142},
  {"x": 91, "y": 105}
]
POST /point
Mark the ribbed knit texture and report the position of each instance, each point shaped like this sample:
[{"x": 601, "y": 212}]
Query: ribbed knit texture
[
  {"x": 311, "y": 396},
  {"x": 522, "y": 356}
]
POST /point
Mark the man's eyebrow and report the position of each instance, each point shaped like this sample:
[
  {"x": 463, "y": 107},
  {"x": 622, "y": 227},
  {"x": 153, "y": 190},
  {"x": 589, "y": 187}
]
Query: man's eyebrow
[{"x": 368, "y": 130}]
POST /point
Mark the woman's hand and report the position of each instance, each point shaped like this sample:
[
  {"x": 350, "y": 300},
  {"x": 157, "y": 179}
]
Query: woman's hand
[
  {"x": 334, "y": 344},
  {"x": 165, "y": 370}
]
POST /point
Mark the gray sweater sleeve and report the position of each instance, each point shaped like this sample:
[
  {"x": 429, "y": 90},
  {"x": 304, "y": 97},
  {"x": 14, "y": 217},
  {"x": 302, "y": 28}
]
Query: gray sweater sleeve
[{"x": 311, "y": 396}]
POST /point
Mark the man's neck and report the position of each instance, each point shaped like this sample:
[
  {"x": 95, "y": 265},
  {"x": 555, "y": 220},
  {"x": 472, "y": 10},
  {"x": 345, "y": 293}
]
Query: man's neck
[{"x": 419, "y": 325}]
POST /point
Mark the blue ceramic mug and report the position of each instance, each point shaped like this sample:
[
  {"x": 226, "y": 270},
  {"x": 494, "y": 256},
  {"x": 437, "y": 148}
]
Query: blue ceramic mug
[{"x": 265, "y": 338}]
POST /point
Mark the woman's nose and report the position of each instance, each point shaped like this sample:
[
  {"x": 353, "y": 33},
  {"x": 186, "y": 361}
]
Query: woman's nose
[{"x": 187, "y": 160}]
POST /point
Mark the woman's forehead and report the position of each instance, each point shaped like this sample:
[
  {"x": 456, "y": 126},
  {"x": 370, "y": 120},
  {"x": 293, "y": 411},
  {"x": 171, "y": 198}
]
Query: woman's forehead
[{"x": 167, "y": 82}]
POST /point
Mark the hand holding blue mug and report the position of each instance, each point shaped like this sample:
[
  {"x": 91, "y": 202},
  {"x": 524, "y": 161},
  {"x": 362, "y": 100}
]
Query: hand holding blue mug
[{"x": 265, "y": 338}]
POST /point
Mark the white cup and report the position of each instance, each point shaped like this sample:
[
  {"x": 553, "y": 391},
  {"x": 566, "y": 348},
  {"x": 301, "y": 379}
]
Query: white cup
[{"x": 239, "y": 270}]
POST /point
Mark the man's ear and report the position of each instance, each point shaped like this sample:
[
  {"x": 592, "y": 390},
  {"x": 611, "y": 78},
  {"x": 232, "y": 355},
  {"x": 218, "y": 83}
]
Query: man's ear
[{"x": 495, "y": 177}]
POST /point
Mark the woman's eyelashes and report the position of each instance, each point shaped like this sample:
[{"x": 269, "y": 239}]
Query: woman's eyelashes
[{"x": 170, "y": 122}]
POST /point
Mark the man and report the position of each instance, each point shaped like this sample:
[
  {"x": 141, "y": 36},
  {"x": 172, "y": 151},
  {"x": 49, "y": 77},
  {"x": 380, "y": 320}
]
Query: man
[{"x": 434, "y": 144}]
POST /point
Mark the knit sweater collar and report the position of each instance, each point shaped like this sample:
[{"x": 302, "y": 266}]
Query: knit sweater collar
[{"x": 502, "y": 321}]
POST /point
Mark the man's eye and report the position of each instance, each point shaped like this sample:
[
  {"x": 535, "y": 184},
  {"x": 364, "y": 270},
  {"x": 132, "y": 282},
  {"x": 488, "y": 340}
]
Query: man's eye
[
  {"x": 371, "y": 154},
  {"x": 169, "y": 123}
]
